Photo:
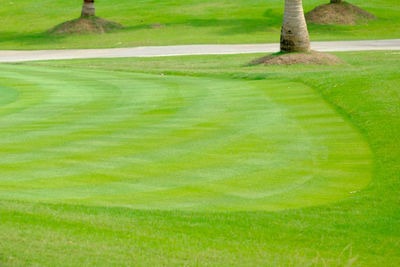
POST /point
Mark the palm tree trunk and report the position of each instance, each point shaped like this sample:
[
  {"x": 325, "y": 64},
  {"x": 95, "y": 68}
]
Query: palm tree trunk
[
  {"x": 88, "y": 9},
  {"x": 294, "y": 35},
  {"x": 336, "y": 1}
]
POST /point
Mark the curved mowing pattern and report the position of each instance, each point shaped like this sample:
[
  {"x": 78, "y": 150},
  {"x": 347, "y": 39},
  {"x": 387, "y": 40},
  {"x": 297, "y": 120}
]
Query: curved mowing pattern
[{"x": 166, "y": 142}]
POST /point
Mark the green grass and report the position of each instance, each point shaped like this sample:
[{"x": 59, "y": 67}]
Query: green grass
[
  {"x": 25, "y": 22},
  {"x": 82, "y": 141},
  {"x": 150, "y": 141}
]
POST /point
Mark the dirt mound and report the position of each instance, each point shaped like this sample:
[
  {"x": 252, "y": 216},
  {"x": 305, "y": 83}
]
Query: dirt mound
[
  {"x": 85, "y": 25},
  {"x": 311, "y": 58},
  {"x": 338, "y": 13}
]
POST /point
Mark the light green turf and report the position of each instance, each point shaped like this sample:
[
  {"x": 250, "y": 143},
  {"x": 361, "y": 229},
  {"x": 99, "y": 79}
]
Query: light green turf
[
  {"x": 168, "y": 142},
  {"x": 362, "y": 229},
  {"x": 23, "y": 23}
]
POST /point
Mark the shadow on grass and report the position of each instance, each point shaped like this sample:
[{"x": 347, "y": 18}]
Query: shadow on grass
[
  {"x": 224, "y": 26},
  {"x": 270, "y": 20},
  {"x": 29, "y": 39}
]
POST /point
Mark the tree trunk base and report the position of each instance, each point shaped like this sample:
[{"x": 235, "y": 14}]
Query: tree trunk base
[
  {"x": 289, "y": 45},
  {"x": 294, "y": 33},
  {"x": 88, "y": 9}
]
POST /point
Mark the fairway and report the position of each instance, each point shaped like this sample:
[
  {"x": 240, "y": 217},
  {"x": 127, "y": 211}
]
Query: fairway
[{"x": 151, "y": 141}]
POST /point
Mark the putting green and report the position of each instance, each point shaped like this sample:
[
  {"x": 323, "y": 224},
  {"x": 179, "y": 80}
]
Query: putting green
[{"x": 169, "y": 142}]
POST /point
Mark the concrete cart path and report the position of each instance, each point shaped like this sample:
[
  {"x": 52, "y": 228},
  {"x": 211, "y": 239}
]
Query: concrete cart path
[{"x": 183, "y": 50}]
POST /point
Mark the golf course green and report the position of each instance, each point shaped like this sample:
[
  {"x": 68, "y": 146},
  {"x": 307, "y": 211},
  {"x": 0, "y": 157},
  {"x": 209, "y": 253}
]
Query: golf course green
[
  {"x": 200, "y": 160},
  {"x": 171, "y": 142}
]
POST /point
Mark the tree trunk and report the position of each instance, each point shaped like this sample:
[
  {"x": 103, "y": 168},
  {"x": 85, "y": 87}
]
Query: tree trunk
[
  {"x": 336, "y": 1},
  {"x": 294, "y": 35},
  {"x": 88, "y": 9}
]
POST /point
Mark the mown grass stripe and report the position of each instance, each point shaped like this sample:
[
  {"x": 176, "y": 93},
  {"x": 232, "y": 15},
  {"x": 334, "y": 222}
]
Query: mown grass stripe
[{"x": 151, "y": 141}]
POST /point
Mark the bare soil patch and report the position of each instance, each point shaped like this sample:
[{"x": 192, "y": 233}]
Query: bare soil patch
[
  {"x": 85, "y": 25},
  {"x": 157, "y": 26},
  {"x": 310, "y": 58},
  {"x": 339, "y": 13}
]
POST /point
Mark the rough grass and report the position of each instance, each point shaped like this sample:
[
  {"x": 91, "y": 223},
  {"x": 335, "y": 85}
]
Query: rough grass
[
  {"x": 172, "y": 22},
  {"x": 361, "y": 229}
]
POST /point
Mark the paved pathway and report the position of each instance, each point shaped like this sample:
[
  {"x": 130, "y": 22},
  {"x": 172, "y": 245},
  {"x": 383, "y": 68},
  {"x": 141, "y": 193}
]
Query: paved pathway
[{"x": 180, "y": 50}]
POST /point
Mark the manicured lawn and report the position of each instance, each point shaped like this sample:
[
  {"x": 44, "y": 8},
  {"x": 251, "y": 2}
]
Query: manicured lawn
[
  {"x": 152, "y": 141},
  {"x": 200, "y": 160},
  {"x": 170, "y": 22}
]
